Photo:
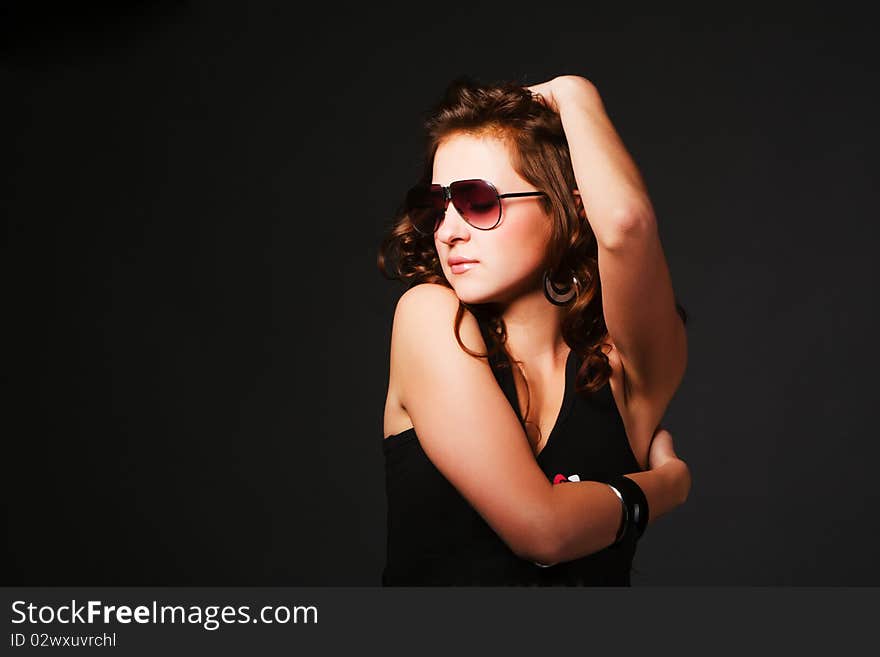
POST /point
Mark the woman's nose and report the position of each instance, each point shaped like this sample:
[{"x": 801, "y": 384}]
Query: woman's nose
[{"x": 452, "y": 226}]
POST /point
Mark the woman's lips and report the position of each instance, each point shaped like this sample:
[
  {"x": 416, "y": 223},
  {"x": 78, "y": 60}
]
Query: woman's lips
[{"x": 462, "y": 267}]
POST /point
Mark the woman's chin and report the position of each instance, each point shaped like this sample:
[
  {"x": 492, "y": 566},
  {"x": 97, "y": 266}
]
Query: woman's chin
[{"x": 473, "y": 294}]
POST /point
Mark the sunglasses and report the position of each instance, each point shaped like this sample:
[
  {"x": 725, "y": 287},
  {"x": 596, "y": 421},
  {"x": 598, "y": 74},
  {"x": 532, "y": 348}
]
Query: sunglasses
[{"x": 477, "y": 201}]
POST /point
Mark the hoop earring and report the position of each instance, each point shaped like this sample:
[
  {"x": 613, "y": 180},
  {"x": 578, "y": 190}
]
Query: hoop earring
[{"x": 560, "y": 296}]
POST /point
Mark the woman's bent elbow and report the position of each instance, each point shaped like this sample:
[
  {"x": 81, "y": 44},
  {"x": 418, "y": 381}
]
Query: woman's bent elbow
[
  {"x": 537, "y": 552},
  {"x": 539, "y": 546}
]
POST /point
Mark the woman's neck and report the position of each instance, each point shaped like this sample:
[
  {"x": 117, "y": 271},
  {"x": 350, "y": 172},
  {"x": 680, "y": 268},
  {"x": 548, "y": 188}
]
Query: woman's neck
[{"x": 534, "y": 330}]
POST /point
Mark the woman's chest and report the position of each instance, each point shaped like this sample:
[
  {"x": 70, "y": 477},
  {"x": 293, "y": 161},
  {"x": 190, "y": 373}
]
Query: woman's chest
[{"x": 591, "y": 441}]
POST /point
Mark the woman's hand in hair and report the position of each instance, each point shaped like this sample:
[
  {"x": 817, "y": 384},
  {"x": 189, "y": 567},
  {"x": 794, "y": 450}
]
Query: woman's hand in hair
[{"x": 562, "y": 86}]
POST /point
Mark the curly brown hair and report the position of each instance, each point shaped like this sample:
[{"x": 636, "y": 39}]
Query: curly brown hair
[{"x": 540, "y": 155}]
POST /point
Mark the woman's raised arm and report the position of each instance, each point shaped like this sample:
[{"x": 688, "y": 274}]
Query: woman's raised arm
[
  {"x": 638, "y": 301},
  {"x": 471, "y": 434}
]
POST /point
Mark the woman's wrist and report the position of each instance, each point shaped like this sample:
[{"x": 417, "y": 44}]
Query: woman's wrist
[
  {"x": 683, "y": 479},
  {"x": 678, "y": 479},
  {"x": 665, "y": 486},
  {"x": 575, "y": 92}
]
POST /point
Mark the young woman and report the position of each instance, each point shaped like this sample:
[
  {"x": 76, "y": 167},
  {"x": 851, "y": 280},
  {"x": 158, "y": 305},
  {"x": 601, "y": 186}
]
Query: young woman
[{"x": 539, "y": 343}]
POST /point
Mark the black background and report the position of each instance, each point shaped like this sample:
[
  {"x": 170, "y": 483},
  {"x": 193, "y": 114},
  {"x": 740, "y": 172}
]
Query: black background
[{"x": 198, "y": 335}]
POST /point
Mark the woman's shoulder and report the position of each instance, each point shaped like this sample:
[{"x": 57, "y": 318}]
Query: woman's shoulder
[
  {"x": 424, "y": 327},
  {"x": 430, "y": 308},
  {"x": 423, "y": 339},
  {"x": 427, "y": 297}
]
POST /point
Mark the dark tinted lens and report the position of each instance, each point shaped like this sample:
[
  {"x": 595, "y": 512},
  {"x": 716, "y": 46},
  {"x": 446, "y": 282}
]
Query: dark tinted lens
[
  {"x": 425, "y": 207},
  {"x": 476, "y": 201}
]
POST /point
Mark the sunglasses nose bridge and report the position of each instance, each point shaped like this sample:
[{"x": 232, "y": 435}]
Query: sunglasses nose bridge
[
  {"x": 447, "y": 199},
  {"x": 458, "y": 198}
]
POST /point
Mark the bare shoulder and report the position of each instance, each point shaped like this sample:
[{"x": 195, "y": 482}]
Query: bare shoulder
[
  {"x": 423, "y": 333},
  {"x": 425, "y": 317},
  {"x": 426, "y": 295}
]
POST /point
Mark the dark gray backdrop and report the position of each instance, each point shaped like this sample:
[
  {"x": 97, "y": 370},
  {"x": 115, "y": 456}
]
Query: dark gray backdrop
[{"x": 198, "y": 334}]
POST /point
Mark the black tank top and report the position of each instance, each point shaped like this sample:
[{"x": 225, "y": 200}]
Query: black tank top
[{"x": 436, "y": 538}]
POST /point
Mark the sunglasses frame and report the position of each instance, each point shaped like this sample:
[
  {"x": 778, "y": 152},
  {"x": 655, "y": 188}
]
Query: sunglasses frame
[{"x": 447, "y": 197}]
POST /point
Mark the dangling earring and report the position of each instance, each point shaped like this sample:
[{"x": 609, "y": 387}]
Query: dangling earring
[{"x": 560, "y": 296}]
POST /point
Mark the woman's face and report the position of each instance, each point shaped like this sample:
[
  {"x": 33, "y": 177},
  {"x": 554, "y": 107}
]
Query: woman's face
[{"x": 510, "y": 257}]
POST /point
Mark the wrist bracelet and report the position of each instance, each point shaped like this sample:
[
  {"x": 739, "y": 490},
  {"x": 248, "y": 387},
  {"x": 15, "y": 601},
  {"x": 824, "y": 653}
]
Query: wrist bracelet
[
  {"x": 624, "y": 516},
  {"x": 636, "y": 504}
]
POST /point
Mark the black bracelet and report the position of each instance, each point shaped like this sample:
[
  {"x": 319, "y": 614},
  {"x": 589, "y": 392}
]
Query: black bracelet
[
  {"x": 635, "y": 502},
  {"x": 624, "y": 516}
]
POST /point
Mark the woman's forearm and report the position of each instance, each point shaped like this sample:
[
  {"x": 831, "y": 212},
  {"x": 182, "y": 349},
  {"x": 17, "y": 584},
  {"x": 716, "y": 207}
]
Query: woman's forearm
[
  {"x": 587, "y": 514},
  {"x": 668, "y": 491},
  {"x": 610, "y": 184}
]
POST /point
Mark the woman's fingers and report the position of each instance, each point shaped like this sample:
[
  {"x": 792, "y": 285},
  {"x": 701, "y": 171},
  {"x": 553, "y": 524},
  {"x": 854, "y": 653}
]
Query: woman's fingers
[
  {"x": 661, "y": 449},
  {"x": 545, "y": 91}
]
